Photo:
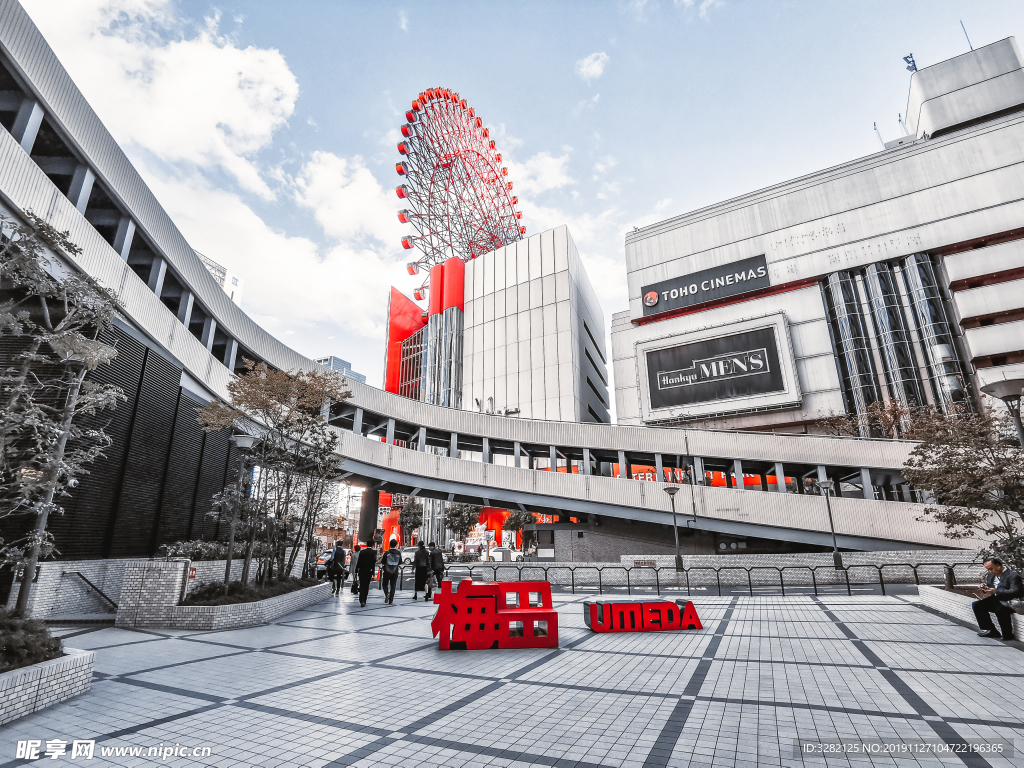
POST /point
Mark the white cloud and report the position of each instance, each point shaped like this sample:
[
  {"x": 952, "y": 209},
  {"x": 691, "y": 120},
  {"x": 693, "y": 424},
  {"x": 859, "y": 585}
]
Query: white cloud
[
  {"x": 403, "y": 21},
  {"x": 540, "y": 173},
  {"x": 592, "y": 67},
  {"x": 187, "y": 95},
  {"x": 603, "y": 164},
  {"x": 703, "y": 8}
]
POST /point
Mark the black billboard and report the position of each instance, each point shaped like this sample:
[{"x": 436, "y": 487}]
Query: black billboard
[
  {"x": 739, "y": 365},
  {"x": 707, "y": 285}
]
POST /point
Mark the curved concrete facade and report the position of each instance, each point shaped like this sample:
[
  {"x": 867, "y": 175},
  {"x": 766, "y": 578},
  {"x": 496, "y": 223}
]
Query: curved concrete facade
[{"x": 483, "y": 454}]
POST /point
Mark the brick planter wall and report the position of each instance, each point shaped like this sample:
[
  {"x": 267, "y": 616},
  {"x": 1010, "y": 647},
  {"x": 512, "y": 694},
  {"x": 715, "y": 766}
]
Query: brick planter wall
[
  {"x": 959, "y": 607},
  {"x": 30, "y": 689},
  {"x": 152, "y": 590},
  {"x": 58, "y": 592},
  {"x": 203, "y": 617}
]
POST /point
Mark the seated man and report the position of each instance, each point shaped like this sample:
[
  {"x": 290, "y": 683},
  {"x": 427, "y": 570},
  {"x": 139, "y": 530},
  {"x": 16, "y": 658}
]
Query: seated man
[{"x": 1001, "y": 586}]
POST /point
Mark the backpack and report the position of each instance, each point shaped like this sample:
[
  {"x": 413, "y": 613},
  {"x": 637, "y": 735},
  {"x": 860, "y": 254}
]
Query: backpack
[{"x": 391, "y": 561}]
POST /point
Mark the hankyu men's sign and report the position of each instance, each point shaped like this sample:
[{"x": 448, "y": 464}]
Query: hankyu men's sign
[
  {"x": 707, "y": 285},
  {"x": 738, "y": 365}
]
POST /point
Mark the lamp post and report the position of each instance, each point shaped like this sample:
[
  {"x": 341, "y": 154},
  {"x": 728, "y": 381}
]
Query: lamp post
[
  {"x": 672, "y": 490},
  {"x": 244, "y": 444},
  {"x": 1009, "y": 392},
  {"x": 826, "y": 486}
]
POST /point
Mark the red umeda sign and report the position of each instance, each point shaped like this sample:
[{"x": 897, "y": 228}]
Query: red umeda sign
[
  {"x": 495, "y": 615},
  {"x": 641, "y": 617}
]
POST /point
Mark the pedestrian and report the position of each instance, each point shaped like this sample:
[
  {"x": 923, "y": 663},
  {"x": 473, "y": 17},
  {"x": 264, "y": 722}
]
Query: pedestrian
[
  {"x": 336, "y": 568},
  {"x": 366, "y": 565},
  {"x": 389, "y": 566},
  {"x": 436, "y": 566},
  {"x": 422, "y": 562},
  {"x": 1001, "y": 587},
  {"x": 355, "y": 572}
]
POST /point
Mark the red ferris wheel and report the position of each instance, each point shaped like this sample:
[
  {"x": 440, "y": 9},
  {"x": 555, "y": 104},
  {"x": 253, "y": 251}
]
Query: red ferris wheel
[{"x": 460, "y": 198}]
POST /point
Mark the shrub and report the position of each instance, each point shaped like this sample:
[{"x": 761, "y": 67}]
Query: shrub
[
  {"x": 212, "y": 592},
  {"x": 209, "y": 550},
  {"x": 24, "y": 642}
]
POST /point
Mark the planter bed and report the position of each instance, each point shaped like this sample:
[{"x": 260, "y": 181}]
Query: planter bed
[
  {"x": 29, "y": 689},
  {"x": 205, "y": 617},
  {"x": 958, "y": 605}
]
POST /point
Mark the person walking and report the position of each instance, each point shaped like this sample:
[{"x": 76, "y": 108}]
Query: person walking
[
  {"x": 422, "y": 562},
  {"x": 355, "y": 573},
  {"x": 336, "y": 568},
  {"x": 436, "y": 566},
  {"x": 366, "y": 566},
  {"x": 389, "y": 571},
  {"x": 1001, "y": 586}
]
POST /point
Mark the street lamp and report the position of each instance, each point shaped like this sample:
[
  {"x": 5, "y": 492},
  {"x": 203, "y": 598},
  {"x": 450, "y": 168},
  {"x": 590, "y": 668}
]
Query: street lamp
[
  {"x": 672, "y": 490},
  {"x": 826, "y": 486},
  {"x": 244, "y": 444},
  {"x": 1009, "y": 392}
]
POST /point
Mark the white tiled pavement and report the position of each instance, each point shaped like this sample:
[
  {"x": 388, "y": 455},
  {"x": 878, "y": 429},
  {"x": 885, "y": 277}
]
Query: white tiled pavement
[{"x": 337, "y": 685}]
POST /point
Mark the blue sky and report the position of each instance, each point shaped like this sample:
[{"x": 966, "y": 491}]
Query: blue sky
[{"x": 268, "y": 129}]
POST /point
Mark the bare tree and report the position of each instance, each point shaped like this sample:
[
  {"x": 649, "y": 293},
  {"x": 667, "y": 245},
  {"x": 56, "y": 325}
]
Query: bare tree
[
  {"x": 56, "y": 316},
  {"x": 974, "y": 466},
  {"x": 296, "y": 453}
]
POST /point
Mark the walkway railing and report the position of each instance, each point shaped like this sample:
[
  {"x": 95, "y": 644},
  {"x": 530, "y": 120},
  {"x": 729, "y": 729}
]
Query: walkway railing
[{"x": 648, "y": 577}]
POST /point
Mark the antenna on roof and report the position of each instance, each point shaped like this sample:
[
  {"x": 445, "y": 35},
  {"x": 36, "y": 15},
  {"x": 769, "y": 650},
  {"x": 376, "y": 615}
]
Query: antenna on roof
[
  {"x": 911, "y": 66},
  {"x": 903, "y": 125},
  {"x": 879, "y": 136},
  {"x": 965, "y": 34}
]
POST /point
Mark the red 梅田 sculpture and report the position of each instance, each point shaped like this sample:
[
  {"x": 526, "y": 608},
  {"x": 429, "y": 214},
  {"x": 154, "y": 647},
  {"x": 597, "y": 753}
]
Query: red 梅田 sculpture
[
  {"x": 640, "y": 617},
  {"x": 495, "y": 615}
]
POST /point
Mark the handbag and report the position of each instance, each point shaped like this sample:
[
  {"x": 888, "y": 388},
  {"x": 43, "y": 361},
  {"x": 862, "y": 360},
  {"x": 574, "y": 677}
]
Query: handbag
[{"x": 1015, "y": 604}]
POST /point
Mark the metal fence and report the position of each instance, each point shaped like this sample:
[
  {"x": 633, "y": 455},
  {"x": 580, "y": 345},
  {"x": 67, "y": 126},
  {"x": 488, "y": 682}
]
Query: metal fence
[{"x": 647, "y": 578}]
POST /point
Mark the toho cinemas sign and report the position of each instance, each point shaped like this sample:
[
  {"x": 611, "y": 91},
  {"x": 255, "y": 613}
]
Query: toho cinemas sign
[{"x": 704, "y": 286}]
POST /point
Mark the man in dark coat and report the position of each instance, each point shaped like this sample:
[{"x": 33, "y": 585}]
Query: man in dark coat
[
  {"x": 365, "y": 567},
  {"x": 352, "y": 566},
  {"x": 436, "y": 565},
  {"x": 336, "y": 568},
  {"x": 1001, "y": 585},
  {"x": 390, "y": 565},
  {"x": 422, "y": 562}
]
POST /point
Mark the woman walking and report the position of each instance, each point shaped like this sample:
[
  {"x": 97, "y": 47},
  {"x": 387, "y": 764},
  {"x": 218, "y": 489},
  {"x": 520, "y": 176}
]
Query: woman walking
[{"x": 422, "y": 562}]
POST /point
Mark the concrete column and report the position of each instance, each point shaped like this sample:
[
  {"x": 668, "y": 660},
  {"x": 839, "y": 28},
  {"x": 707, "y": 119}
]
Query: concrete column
[
  {"x": 586, "y": 461},
  {"x": 659, "y": 469},
  {"x": 737, "y": 474},
  {"x": 422, "y": 439},
  {"x": 486, "y": 451},
  {"x": 209, "y": 330},
  {"x": 516, "y": 448},
  {"x": 124, "y": 236},
  {"x": 390, "y": 438},
  {"x": 453, "y": 446},
  {"x": 81, "y": 187},
  {"x": 698, "y": 470},
  {"x": 623, "y": 467},
  {"x": 230, "y": 353},
  {"x": 780, "y": 477},
  {"x": 867, "y": 489},
  {"x": 553, "y": 453},
  {"x": 185, "y": 303},
  {"x": 157, "y": 273},
  {"x": 357, "y": 422},
  {"x": 26, "y": 124}
]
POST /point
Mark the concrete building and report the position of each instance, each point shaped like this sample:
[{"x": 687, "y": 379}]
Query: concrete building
[
  {"x": 895, "y": 277},
  {"x": 228, "y": 280},
  {"x": 344, "y": 367},
  {"x": 535, "y": 333},
  {"x": 516, "y": 331}
]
